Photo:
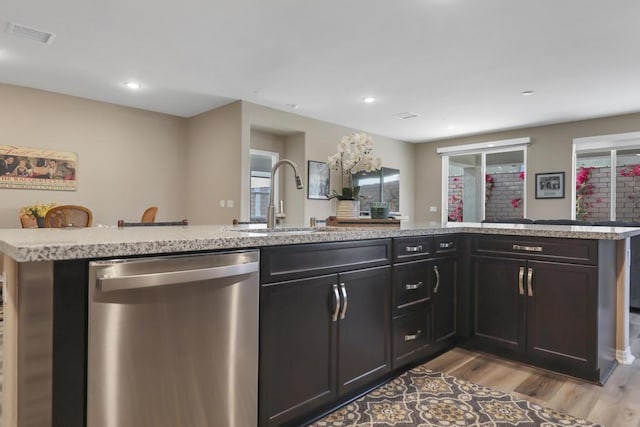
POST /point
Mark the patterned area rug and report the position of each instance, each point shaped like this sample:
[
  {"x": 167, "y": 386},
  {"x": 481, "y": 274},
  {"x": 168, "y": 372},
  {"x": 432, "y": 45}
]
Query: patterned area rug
[{"x": 424, "y": 398}]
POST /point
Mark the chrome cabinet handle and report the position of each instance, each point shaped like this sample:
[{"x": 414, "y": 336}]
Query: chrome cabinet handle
[
  {"x": 336, "y": 300},
  {"x": 527, "y": 248},
  {"x": 521, "y": 280},
  {"x": 412, "y": 337},
  {"x": 435, "y": 270},
  {"x": 343, "y": 291},
  {"x": 413, "y": 286},
  {"x": 446, "y": 245},
  {"x": 529, "y": 281},
  {"x": 413, "y": 248}
]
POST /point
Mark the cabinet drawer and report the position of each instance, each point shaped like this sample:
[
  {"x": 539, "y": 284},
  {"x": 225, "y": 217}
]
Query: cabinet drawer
[
  {"x": 575, "y": 251},
  {"x": 447, "y": 244},
  {"x": 411, "y": 337},
  {"x": 410, "y": 285},
  {"x": 410, "y": 248},
  {"x": 315, "y": 259}
]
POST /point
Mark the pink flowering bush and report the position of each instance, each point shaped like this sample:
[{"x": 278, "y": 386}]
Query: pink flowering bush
[
  {"x": 516, "y": 202},
  {"x": 489, "y": 184},
  {"x": 456, "y": 213},
  {"x": 631, "y": 171},
  {"x": 583, "y": 190}
]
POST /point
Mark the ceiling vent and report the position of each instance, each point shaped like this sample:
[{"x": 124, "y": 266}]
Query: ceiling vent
[
  {"x": 406, "y": 115},
  {"x": 30, "y": 33}
]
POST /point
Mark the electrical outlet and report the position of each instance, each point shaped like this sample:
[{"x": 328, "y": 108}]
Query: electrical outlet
[
  {"x": 433, "y": 209},
  {"x": 229, "y": 203},
  {"x": 222, "y": 203}
]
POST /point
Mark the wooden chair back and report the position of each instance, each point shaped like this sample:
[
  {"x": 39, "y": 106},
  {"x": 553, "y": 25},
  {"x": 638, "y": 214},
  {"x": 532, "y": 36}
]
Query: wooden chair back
[
  {"x": 28, "y": 221},
  {"x": 149, "y": 215},
  {"x": 68, "y": 216}
]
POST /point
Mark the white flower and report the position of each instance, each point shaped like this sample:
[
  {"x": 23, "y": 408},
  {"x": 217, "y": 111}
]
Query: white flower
[{"x": 354, "y": 154}]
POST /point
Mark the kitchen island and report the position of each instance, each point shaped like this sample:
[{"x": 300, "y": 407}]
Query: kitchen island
[{"x": 37, "y": 261}]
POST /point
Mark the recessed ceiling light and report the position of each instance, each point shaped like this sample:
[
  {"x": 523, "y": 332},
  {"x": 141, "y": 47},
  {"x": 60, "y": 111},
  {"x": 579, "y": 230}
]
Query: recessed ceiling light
[
  {"x": 491, "y": 145},
  {"x": 368, "y": 99},
  {"x": 527, "y": 93},
  {"x": 293, "y": 106},
  {"x": 132, "y": 85},
  {"x": 451, "y": 127}
]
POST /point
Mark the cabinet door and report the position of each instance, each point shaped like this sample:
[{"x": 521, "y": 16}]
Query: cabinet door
[
  {"x": 297, "y": 348},
  {"x": 499, "y": 299},
  {"x": 444, "y": 292},
  {"x": 364, "y": 343},
  {"x": 561, "y": 314}
]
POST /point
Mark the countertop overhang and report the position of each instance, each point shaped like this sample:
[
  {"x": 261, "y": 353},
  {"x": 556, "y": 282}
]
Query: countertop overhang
[{"x": 55, "y": 244}]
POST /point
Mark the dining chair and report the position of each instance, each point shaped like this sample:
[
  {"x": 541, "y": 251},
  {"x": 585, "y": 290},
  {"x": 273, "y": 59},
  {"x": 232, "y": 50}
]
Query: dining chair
[
  {"x": 28, "y": 221},
  {"x": 68, "y": 216},
  {"x": 149, "y": 214}
]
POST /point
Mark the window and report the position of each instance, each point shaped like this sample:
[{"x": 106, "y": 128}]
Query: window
[
  {"x": 379, "y": 186},
  {"x": 607, "y": 178},
  {"x": 261, "y": 164},
  {"x": 484, "y": 181}
]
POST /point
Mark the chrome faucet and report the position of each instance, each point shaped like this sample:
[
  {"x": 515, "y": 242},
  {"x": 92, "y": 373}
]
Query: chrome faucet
[{"x": 271, "y": 211}]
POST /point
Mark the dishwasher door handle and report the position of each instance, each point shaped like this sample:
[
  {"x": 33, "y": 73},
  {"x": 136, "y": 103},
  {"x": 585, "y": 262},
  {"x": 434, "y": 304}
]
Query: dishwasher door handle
[{"x": 150, "y": 280}]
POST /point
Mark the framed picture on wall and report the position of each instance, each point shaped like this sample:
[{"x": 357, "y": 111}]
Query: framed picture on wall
[
  {"x": 550, "y": 185},
  {"x": 317, "y": 180}
]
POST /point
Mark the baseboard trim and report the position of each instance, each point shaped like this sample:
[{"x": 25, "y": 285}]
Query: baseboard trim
[{"x": 624, "y": 357}]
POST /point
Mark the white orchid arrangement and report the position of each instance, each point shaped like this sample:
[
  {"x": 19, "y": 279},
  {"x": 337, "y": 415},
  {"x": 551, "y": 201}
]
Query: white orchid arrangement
[{"x": 354, "y": 155}]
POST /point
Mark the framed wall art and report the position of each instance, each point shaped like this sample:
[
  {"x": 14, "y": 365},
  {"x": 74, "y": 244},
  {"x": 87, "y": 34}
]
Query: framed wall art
[
  {"x": 317, "y": 180},
  {"x": 37, "y": 169},
  {"x": 550, "y": 185}
]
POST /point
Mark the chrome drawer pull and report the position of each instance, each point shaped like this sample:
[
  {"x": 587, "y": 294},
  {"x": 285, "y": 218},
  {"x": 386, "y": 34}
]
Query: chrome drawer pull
[
  {"x": 529, "y": 281},
  {"x": 336, "y": 301},
  {"x": 446, "y": 245},
  {"x": 435, "y": 270},
  {"x": 413, "y": 336},
  {"x": 521, "y": 280},
  {"x": 343, "y": 290},
  {"x": 411, "y": 287},
  {"x": 413, "y": 248},
  {"x": 527, "y": 248}
]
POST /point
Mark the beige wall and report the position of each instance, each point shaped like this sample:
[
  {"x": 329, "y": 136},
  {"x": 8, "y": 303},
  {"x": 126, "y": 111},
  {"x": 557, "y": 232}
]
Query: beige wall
[
  {"x": 550, "y": 151},
  {"x": 320, "y": 141},
  {"x": 128, "y": 159},
  {"x": 212, "y": 165}
]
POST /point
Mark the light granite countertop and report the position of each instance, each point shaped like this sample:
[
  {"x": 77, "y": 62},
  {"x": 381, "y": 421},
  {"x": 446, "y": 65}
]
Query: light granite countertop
[{"x": 26, "y": 245}]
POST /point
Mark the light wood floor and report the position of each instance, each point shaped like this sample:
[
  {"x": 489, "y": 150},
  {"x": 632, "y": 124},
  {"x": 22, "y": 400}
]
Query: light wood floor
[{"x": 616, "y": 404}]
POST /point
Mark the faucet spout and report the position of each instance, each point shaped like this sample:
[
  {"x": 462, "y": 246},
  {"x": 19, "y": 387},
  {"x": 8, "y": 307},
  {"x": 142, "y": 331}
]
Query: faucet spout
[{"x": 271, "y": 211}]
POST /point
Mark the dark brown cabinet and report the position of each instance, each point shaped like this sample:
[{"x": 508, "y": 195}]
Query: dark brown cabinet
[
  {"x": 323, "y": 338},
  {"x": 499, "y": 316},
  {"x": 444, "y": 299},
  {"x": 538, "y": 301},
  {"x": 425, "y": 282},
  {"x": 298, "y": 369}
]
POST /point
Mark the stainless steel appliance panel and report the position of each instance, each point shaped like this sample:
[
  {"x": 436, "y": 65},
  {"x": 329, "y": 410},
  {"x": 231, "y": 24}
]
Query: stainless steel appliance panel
[{"x": 173, "y": 341}]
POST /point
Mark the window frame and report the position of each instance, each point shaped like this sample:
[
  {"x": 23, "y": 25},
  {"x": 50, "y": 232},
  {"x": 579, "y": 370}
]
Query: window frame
[{"x": 483, "y": 148}]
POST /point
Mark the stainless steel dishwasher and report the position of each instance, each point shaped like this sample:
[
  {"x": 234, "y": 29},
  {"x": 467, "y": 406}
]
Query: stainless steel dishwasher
[{"x": 173, "y": 341}]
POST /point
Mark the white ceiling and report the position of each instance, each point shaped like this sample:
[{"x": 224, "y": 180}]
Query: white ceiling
[{"x": 459, "y": 63}]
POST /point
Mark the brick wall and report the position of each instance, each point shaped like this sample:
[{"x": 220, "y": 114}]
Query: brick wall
[
  {"x": 627, "y": 195},
  {"x": 455, "y": 188},
  {"x": 507, "y": 187}
]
